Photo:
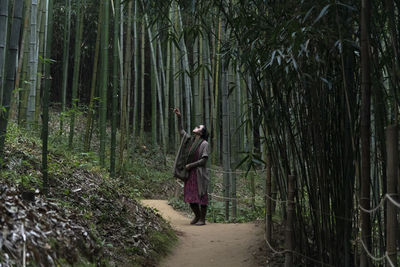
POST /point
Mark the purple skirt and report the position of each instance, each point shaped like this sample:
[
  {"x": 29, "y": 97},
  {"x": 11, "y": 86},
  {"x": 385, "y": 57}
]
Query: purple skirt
[{"x": 191, "y": 191}]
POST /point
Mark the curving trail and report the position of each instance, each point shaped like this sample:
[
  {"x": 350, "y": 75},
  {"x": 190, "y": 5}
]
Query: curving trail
[{"x": 214, "y": 244}]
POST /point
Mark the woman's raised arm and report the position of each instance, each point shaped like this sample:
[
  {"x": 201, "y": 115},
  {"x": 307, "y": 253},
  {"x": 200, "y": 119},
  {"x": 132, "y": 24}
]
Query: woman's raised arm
[{"x": 180, "y": 126}]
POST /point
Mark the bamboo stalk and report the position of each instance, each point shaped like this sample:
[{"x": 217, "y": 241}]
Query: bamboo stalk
[
  {"x": 289, "y": 223},
  {"x": 89, "y": 119},
  {"x": 46, "y": 96},
  {"x": 3, "y": 42},
  {"x": 135, "y": 75},
  {"x": 33, "y": 62},
  {"x": 365, "y": 128},
  {"x": 268, "y": 206},
  {"x": 392, "y": 176},
  {"x": 67, "y": 25},
  {"x": 115, "y": 89},
  {"x": 40, "y": 54},
  {"x": 143, "y": 34},
  {"x": 22, "y": 56},
  {"x": 158, "y": 86},
  {"x": 104, "y": 81},
  {"x": 10, "y": 67},
  {"x": 214, "y": 99},
  {"x": 186, "y": 67},
  {"x": 75, "y": 77}
]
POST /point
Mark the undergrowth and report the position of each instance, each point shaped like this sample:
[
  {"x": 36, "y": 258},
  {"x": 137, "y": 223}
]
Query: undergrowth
[
  {"x": 247, "y": 209},
  {"x": 104, "y": 205},
  {"x": 123, "y": 232}
]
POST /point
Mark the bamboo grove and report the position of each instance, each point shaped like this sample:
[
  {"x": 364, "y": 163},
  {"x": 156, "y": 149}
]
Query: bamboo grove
[{"x": 308, "y": 87}]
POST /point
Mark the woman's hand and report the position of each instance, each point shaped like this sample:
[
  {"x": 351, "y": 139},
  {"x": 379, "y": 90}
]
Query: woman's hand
[
  {"x": 187, "y": 167},
  {"x": 177, "y": 112}
]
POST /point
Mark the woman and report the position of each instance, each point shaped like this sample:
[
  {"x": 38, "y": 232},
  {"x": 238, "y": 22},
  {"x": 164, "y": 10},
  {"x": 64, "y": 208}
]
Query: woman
[{"x": 192, "y": 156}]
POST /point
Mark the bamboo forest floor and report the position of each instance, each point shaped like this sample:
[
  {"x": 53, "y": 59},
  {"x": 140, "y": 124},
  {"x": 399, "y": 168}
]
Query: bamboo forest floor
[
  {"x": 87, "y": 219},
  {"x": 86, "y": 207},
  {"x": 215, "y": 244}
]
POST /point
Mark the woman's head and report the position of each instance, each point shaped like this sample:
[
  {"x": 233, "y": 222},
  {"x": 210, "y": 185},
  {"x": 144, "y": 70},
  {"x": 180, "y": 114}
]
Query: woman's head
[{"x": 201, "y": 130}]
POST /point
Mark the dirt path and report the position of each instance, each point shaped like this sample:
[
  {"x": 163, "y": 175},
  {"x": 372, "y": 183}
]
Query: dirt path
[{"x": 214, "y": 244}]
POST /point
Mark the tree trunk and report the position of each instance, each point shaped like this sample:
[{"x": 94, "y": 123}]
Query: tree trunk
[
  {"x": 22, "y": 56},
  {"x": 91, "y": 111},
  {"x": 162, "y": 84},
  {"x": 208, "y": 81},
  {"x": 135, "y": 74},
  {"x": 104, "y": 82},
  {"x": 67, "y": 25},
  {"x": 46, "y": 93},
  {"x": 186, "y": 71},
  {"x": 40, "y": 54},
  {"x": 10, "y": 66},
  {"x": 3, "y": 41},
  {"x": 175, "y": 61},
  {"x": 77, "y": 63},
  {"x": 201, "y": 83},
  {"x": 239, "y": 115},
  {"x": 23, "y": 74},
  {"x": 392, "y": 141},
  {"x": 153, "y": 77},
  {"x": 142, "y": 68},
  {"x": 225, "y": 135},
  {"x": 214, "y": 100},
  {"x": 233, "y": 135},
  {"x": 167, "y": 88},
  {"x": 115, "y": 85},
  {"x": 365, "y": 132},
  {"x": 125, "y": 95},
  {"x": 196, "y": 89},
  {"x": 33, "y": 63},
  {"x": 158, "y": 86}
]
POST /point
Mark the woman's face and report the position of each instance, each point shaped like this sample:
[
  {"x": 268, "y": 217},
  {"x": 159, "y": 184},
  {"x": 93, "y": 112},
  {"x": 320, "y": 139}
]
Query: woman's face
[{"x": 197, "y": 130}]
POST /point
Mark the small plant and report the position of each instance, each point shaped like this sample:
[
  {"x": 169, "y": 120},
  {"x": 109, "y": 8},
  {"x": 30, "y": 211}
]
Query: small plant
[{"x": 178, "y": 204}]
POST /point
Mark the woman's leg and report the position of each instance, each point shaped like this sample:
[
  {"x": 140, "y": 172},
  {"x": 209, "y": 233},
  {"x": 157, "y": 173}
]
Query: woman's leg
[
  {"x": 196, "y": 210},
  {"x": 203, "y": 213}
]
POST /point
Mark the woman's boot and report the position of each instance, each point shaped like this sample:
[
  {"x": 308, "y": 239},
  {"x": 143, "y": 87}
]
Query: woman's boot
[
  {"x": 203, "y": 213},
  {"x": 196, "y": 211}
]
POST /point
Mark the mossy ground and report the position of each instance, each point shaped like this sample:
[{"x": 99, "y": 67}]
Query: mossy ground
[{"x": 121, "y": 230}]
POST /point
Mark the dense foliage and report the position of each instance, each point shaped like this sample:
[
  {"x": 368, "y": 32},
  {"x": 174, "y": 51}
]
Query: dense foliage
[
  {"x": 310, "y": 84},
  {"x": 86, "y": 219}
]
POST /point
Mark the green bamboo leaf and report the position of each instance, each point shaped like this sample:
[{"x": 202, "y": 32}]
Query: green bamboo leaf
[
  {"x": 308, "y": 14},
  {"x": 272, "y": 58},
  {"x": 322, "y": 13},
  {"x": 327, "y": 82},
  {"x": 347, "y": 6},
  {"x": 257, "y": 160},
  {"x": 246, "y": 158},
  {"x": 294, "y": 63},
  {"x": 47, "y": 60}
]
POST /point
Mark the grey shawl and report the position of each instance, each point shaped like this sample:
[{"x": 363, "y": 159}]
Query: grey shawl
[
  {"x": 202, "y": 171},
  {"x": 200, "y": 165},
  {"x": 180, "y": 159}
]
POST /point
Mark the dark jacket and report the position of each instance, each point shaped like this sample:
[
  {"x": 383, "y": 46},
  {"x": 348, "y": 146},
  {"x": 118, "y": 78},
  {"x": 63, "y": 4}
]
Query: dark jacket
[
  {"x": 181, "y": 157},
  {"x": 200, "y": 165}
]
